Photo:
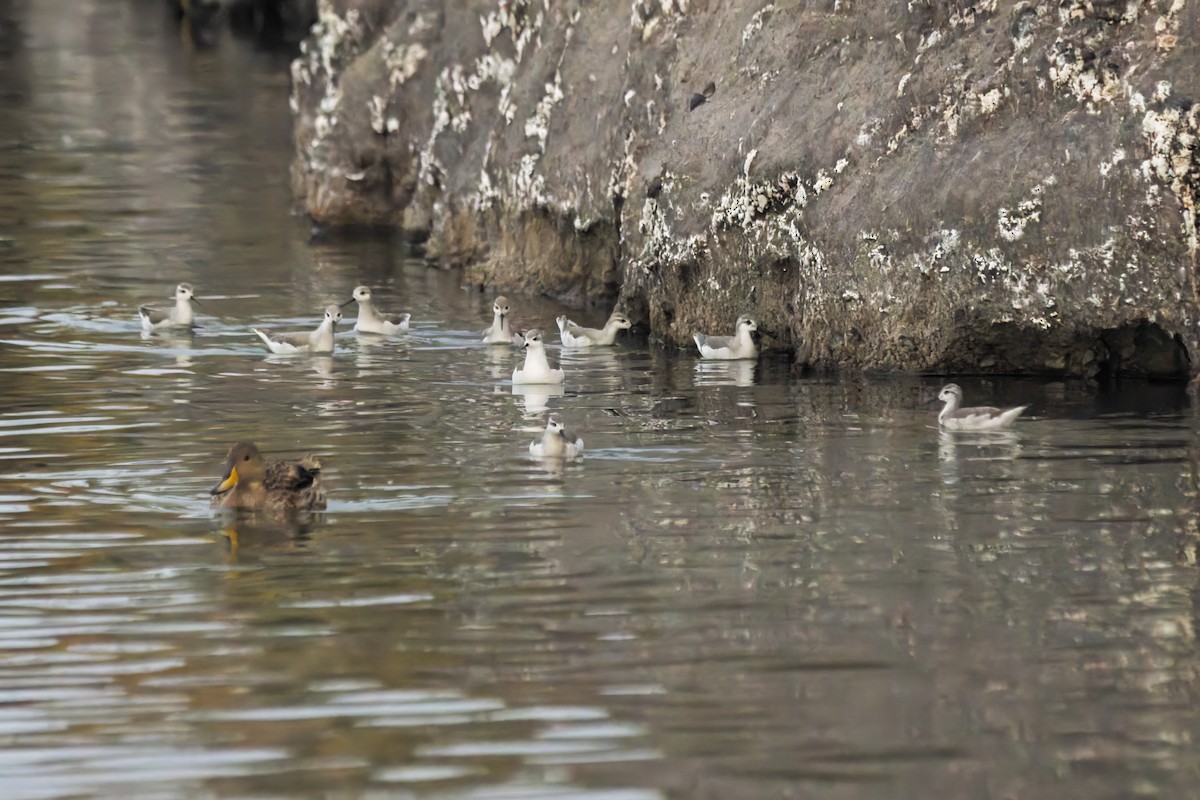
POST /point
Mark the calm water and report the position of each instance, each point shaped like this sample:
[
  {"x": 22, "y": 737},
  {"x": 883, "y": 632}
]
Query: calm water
[{"x": 754, "y": 584}]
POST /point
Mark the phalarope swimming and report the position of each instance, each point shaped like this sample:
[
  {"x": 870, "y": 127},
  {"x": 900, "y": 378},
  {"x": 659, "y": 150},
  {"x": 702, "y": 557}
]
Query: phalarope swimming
[
  {"x": 319, "y": 341},
  {"x": 578, "y": 336},
  {"x": 371, "y": 320},
  {"x": 537, "y": 368},
  {"x": 980, "y": 418},
  {"x": 501, "y": 331},
  {"x": 178, "y": 316},
  {"x": 556, "y": 442},
  {"x": 250, "y": 484},
  {"x": 730, "y": 348}
]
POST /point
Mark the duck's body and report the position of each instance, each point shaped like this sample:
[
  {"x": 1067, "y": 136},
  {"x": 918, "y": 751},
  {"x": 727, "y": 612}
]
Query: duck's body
[
  {"x": 578, "y": 336},
  {"x": 979, "y": 418},
  {"x": 536, "y": 368},
  {"x": 319, "y": 341},
  {"x": 556, "y": 442},
  {"x": 501, "y": 331},
  {"x": 249, "y": 484},
  {"x": 371, "y": 320},
  {"x": 177, "y": 316},
  {"x": 730, "y": 348}
]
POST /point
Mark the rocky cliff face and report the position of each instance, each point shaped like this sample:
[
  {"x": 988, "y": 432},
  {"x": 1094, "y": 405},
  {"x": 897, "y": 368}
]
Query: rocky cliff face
[{"x": 930, "y": 185}]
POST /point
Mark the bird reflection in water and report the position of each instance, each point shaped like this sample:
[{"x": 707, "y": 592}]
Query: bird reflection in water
[
  {"x": 725, "y": 373},
  {"x": 246, "y": 534},
  {"x": 955, "y": 449},
  {"x": 535, "y": 398}
]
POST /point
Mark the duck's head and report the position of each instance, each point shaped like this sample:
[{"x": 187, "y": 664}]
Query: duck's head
[
  {"x": 747, "y": 322},
  {"x": 554, "y": 425},
  {"x": 533, "y": 338},
  {"x": 361, "y": 294},
  {"x": 951, "y": 393},
  {"x": 333, "y": 314},
  {"x": 620, "y": 321},
  {"x": 243, "y": 465},
  {"x": 185, "y": 292},
  {"x": 500, "y": 307}
]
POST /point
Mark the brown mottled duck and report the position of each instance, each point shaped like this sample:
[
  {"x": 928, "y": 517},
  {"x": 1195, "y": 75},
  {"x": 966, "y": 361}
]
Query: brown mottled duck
[{"x": 251, "y": 484}]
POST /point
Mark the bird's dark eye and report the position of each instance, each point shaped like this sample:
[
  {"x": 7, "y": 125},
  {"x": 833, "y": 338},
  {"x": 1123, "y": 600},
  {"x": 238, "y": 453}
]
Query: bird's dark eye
[{"x": 246, "y": 457}]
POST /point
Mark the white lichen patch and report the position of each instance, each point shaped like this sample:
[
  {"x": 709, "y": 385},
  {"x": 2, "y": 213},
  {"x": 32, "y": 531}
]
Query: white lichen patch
[
  {"x": 967, "y": 14},
  {"x": 376, "y": 107},
  {"x": 403, "y": 62},
  {"x": 868, "y": 131},
  {"x": 333, "y": 41},
  {"x": 1117, "y": 157},
  {"x": 756, "y": 23},
  {"x": 1166, "y": 27},
  {"x": 929, "y": 40},
  {"x": 1071, "y": 11},
  {"x": 660, "y": 244},
  {"x": 990, "y": 101},
  {"x": 1012, "y": 222},
  {"x": 1088, "y": 80},
  {"x": 519, "y": 19},
  {"x": 945, "y": 247},
  {"x": 744, "y": 204},
  {"x": 1023, "y": 28},
  {"x": 648, "y": 16},
  {"x": 537, "y": 127},
  {"x": 1172, "y": 136}
]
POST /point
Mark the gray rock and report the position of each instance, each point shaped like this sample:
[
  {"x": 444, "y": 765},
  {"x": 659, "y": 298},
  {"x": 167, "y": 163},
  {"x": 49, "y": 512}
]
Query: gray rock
[{"x": 996, "y": 186}]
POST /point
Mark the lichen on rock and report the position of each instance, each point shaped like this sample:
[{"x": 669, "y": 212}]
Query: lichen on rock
[{"x": 996, "y": 185}]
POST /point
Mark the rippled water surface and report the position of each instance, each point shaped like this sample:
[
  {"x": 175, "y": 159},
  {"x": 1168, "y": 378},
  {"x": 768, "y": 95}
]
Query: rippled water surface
[{"x": 754, "y": 584}]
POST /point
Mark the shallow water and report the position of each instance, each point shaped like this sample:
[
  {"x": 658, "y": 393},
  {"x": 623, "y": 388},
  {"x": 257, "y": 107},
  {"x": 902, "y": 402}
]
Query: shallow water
[{"x": 754, "y": 584}]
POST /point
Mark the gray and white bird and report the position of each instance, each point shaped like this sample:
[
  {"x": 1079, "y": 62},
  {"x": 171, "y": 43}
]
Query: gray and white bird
[
  {"x": 556, "y": 442},
  {"x": 536, "y": 368},
  {"x": 501, "y": 331},
  {"x": 371, "y": 319},
  {"x": 979, "y": 418},
  {"x": 319, "y": 341},
  {"x": 730, "y": 348},
  {"x": 578, "y": 336},
  {"x": 177, "y": 316}
]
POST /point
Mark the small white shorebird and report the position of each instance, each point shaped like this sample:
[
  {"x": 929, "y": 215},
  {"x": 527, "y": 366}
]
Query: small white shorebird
[
  {"x": 537, "y": 368},
  {"x": 319, "y": 341},
  {"x": 730, "y": 348},
  {"x": 578, "y": 336},
  {"x": 178, "y": 316},
  {"x": 556, "y": 442},
  {"x": 980, "y": 418},
  {"x": 371, "y": 320},
  {"x": 501, "y": 331}
]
